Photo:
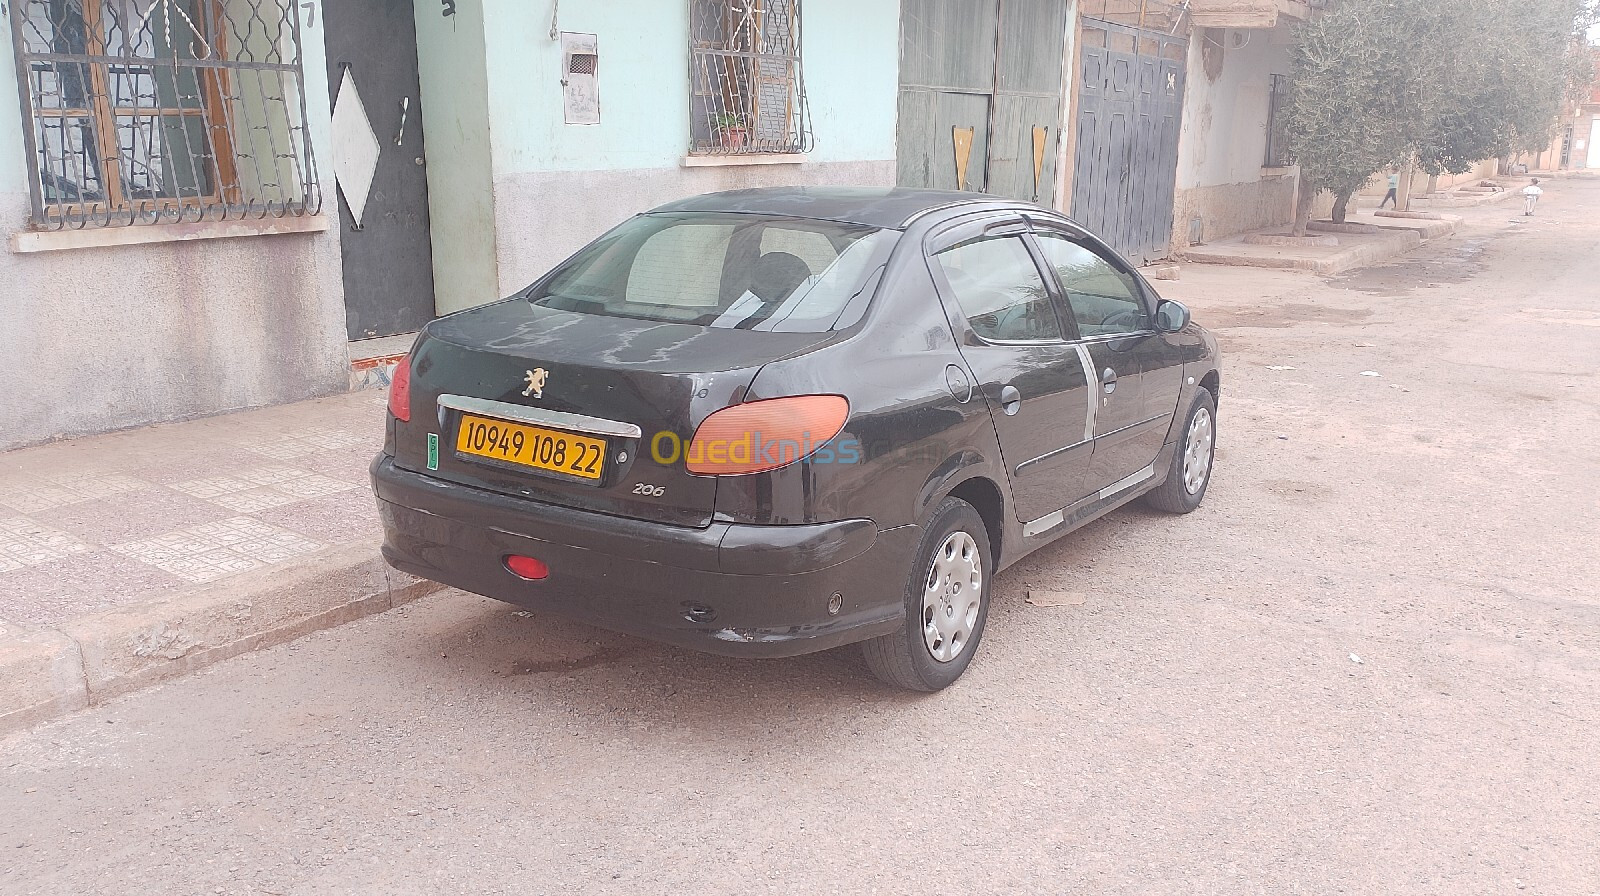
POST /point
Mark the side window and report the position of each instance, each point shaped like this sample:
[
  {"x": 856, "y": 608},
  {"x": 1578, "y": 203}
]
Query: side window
[
  {"x": 1000, "y": 291},
  {"x": 1105, "y": 301}
]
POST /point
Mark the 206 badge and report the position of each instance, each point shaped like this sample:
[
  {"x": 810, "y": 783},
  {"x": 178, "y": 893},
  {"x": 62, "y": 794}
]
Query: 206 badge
[{"x": 536, "y": 379}]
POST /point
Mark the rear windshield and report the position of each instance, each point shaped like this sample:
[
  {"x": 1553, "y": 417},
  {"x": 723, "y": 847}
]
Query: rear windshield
[{"x": 747, "y": 272}]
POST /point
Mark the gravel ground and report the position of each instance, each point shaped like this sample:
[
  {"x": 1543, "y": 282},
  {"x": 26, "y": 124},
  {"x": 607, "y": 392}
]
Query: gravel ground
[{"x": 1370, "y": 663}]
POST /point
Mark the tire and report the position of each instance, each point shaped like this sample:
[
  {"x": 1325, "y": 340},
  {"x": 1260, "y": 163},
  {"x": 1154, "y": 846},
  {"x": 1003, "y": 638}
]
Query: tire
[
  {"x": 916, "y": 661},
  {"x": 1182, "y": 493}
]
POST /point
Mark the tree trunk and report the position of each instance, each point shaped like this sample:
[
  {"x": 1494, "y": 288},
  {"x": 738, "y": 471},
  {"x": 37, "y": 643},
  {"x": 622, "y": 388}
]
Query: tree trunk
[
  {"x": 1304, "y": 196},
  {"x": 1341, "y": 206},
  {"x": 1408, "y": 174}
]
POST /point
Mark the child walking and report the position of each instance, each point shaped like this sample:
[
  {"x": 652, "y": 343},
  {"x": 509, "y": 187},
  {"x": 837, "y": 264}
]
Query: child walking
[
  {"x": 1394, "y": 190},
  {"x": 1530, "y": 197}
]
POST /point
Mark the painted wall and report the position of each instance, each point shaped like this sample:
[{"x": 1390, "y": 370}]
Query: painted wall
[
  {"x": 553, "y": 187},
  {"x": 850, "y": 61},
  {"x": 99, "y": 339},
  {"x": 1224, "y": 136},
  {"x": 1222, "y": 147}
]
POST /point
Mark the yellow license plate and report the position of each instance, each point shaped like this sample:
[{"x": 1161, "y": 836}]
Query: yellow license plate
[{"x": 531, "y": 446}]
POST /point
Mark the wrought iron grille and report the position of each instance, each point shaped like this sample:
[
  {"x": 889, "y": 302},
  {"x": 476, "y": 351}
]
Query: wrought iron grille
[
  {"x": 159, "y": 111},
  {"x": 746, "y": 90},
  {"x": 1277, "y": 132}
]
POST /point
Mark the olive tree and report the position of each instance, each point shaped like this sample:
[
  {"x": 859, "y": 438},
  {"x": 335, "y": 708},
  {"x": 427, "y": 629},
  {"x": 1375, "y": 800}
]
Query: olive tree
[
  {"x": 1436, "y": 85},
  {"x": 1343, "y": 114}
]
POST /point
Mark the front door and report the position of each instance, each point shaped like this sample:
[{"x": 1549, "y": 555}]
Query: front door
[
  {"x": 380, "y": 165},
  {"x": 1119, "y": 337},
  {"x": 1031, "y": 377}
]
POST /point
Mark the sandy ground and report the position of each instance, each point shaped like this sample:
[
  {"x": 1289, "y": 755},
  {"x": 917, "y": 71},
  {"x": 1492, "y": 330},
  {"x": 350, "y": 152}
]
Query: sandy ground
[{"x": 1369, "y": 664}]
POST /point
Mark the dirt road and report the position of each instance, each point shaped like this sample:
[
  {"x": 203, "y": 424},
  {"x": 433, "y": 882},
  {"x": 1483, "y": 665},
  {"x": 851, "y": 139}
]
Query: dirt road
[{"x": 1370, "y": 664}]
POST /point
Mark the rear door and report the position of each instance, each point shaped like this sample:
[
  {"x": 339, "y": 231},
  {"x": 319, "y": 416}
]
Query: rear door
[
  {"x": 1031, "y": 376},
  {"x": 1115, "y": 327}
]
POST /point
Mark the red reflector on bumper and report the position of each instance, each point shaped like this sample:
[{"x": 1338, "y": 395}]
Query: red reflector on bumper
[{"x": 527, "y": 567}]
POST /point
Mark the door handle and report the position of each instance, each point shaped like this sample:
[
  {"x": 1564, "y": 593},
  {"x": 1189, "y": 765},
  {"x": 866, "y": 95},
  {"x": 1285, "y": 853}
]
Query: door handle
[
  {"x": 1010, "y": 400},
  {"x": 1108, "y": 380},
  {"x": 405, "y": 106}
]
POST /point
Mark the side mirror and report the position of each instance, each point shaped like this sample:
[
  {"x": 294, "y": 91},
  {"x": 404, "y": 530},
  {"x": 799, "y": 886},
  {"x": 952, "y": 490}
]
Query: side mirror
[{"x": 1171, "y": 316}]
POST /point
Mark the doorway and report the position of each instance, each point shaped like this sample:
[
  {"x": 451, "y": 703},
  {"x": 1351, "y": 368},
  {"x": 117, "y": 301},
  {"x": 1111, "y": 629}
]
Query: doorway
[
  {"x": 980, "y": 96},
  {"x": 1130, "y": 108},
  {"x": 381, "y": 166}
]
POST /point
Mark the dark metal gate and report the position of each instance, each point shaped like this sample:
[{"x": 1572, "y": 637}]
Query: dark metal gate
[
  {"x": 1130, "y": 107},
  {"x": 980, "y": 95},
  {"x": 381, "y": 166}
]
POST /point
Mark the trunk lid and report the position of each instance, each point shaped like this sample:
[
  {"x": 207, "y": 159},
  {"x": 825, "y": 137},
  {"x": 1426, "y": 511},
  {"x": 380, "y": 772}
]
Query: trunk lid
[{"x": 657, "y": 380}]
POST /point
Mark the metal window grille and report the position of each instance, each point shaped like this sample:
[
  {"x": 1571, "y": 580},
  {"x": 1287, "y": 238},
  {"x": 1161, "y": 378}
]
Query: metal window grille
[
  {"x": 159, "y": 111},
  {"x": 746, "y": 90},
  {"x": 1277, "y": 136}
]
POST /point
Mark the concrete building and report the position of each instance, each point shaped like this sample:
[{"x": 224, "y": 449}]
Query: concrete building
[
  {"x": 148, "y": 277},
  {"x": 1222, "y": 66},
  {"x": 221, "y": 205},
  {"x": 1581, "y": 137},
  {"x": 1232, "y": 175},
  {"x": 1150, "y": 122},
  {"x": 531, "y": 178}
]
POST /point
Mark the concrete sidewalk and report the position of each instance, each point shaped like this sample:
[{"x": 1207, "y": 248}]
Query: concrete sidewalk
[
  {"x": 1365, "y": 239},
  {"x": 135, "y": 556}
]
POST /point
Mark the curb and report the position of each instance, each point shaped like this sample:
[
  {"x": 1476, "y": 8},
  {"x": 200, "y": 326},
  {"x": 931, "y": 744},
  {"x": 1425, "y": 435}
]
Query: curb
[
  {"x": 46, "y": 673},
  {"x": 1401, "y": 242}
]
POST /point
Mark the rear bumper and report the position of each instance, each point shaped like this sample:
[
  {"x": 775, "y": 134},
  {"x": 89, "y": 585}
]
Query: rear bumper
[{"x": 729, "y": 589}]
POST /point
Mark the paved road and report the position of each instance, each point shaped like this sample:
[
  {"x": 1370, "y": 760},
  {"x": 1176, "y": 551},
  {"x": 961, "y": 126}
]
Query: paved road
[{"x": 1369, "y": 664}]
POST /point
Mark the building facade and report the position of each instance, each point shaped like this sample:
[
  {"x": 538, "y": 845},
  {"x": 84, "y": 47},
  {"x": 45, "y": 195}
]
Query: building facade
[
  {"x": 1153, "y": 123},
  {"x": 163, "y": 197},
  {"x": 217, "y": 204}
]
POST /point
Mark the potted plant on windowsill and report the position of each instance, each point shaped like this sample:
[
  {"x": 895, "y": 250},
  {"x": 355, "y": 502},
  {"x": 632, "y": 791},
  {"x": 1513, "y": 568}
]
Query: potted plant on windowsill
[{"x": 731, "y": 131}]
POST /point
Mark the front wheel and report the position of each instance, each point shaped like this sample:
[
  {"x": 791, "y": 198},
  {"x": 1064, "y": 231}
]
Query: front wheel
[
  {"x": 947, "y": 603},
  {"x": 1190, "y": 474}
]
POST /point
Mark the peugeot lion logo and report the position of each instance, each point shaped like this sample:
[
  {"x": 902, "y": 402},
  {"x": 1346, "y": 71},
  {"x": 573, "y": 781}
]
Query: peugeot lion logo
[{"x": 536, "y": 379}]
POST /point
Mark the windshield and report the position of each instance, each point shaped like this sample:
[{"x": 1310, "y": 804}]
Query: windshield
[{"x": 748, "y": 272}]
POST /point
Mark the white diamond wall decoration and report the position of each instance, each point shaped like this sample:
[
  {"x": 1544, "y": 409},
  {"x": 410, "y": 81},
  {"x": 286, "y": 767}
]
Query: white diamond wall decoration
[{"x": 355, "y": 147}]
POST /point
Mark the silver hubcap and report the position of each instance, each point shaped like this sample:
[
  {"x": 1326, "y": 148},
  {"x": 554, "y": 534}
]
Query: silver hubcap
[
  {"x": 1197, "y": 452},
  {"x": 951, "y": 597}
]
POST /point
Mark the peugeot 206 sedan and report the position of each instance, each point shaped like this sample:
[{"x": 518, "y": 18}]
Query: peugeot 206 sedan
[{"x": 771, "y": 422}]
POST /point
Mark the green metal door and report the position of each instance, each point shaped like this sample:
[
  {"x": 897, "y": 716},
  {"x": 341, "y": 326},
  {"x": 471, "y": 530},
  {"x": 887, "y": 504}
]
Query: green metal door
[{"x": 980, "y": 95}]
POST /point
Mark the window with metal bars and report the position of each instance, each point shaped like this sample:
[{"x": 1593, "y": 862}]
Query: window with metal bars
[
  {"x": 746, "y": 91},
  {"x": 157, "y": 111}
]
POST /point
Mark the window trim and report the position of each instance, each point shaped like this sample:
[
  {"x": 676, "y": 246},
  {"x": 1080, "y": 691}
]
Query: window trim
[
  {"x": 969, "y": 230},
  {"x": 1099, "y": 250}
]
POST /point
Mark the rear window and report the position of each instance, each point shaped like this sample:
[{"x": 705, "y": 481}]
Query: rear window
[{"x": 730, "y": 271}]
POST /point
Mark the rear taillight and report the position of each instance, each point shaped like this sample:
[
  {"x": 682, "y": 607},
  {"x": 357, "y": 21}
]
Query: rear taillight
[
  {"x": 400, "y": 391},
  {"x": 765, "y": 435}
]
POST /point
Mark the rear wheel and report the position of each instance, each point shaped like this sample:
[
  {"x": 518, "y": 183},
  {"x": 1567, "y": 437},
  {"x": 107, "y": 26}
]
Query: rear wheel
[
  {"x": 947, "y": 603},
  {"x": 1190, "y": 474}
]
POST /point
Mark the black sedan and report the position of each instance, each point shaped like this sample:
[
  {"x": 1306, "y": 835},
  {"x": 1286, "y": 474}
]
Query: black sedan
[{"x": 771, "y": 422}]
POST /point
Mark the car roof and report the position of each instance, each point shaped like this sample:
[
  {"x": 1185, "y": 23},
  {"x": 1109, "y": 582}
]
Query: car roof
[{"x": 871, "y": 206}]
